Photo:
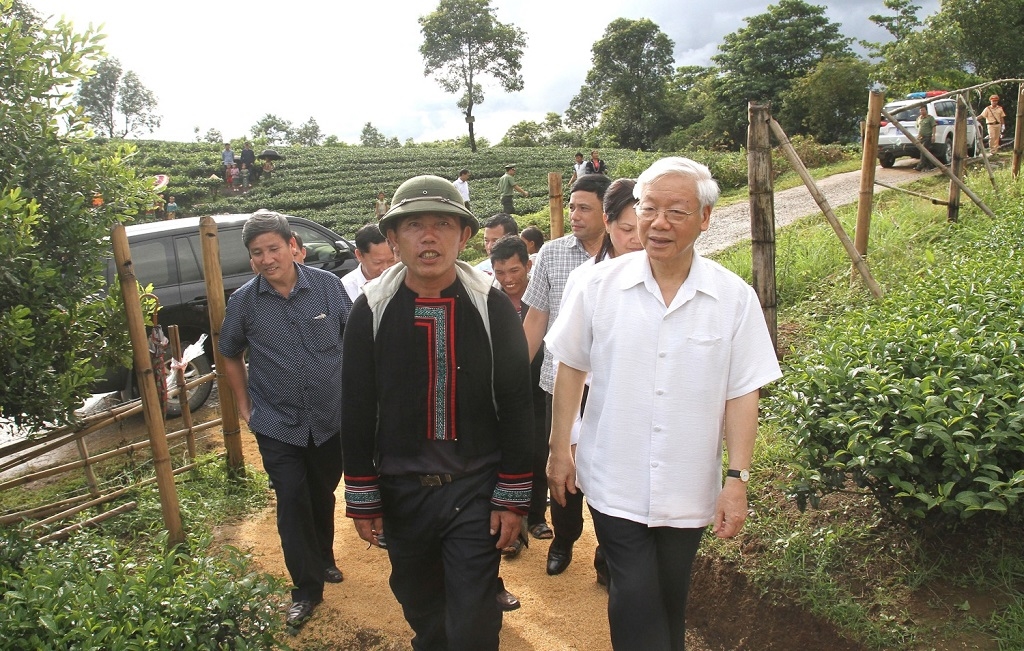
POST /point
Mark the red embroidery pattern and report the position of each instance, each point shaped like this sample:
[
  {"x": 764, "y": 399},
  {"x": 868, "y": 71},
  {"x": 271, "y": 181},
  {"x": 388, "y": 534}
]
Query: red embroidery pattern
[{"x": 437, "y": 317}]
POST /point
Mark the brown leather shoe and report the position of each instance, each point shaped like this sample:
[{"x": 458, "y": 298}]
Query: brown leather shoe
[{"x": 506, "y": 600}]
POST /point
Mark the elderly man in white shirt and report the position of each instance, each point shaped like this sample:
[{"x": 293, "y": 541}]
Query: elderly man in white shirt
[
  {"x": 374, "y": 256},
  {"x": 678, "y": 348}
]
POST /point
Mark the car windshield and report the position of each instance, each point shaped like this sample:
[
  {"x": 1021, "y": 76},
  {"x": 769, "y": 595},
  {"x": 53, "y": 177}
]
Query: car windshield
[{"x": 904, "y": 116}]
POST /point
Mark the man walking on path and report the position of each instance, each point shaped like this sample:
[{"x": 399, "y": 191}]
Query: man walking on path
[
  {"x": 290, "y": 318},
  {"x": 506, "y": 184},
  {"x": 438, "y": 421}
]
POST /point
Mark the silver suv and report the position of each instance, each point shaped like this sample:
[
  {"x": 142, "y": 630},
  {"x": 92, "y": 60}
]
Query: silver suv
[{"x": 892, "y": 144}]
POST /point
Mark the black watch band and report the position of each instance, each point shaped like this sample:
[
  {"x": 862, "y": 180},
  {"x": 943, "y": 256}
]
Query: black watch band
[{"x": 742, "y": 475}]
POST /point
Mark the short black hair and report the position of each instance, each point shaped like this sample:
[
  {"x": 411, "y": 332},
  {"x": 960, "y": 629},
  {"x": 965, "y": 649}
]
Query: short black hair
[
  {"x": 463, "y": 171},
  {"x": 596, "y": 183},
  {"x": 505, "y": 220},
  {"x": 298, "y": 240},
  {"x": 533, "y": 234},
  {"x": 507, "y": 247},
  {"x": 367, "y": 236}
]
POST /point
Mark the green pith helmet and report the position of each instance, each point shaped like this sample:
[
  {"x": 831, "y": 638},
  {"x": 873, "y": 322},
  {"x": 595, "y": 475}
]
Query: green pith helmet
[{"x": 427, "y": 194}]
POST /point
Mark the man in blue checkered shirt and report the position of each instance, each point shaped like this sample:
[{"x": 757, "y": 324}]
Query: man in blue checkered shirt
[{"x": 290, "y": 318}]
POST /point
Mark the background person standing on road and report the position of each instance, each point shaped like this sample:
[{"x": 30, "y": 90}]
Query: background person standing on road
[
  {"x": 926, "y": 134},
  {"x": 506, "y": 185},
  {"x": 995, "y": 119}
]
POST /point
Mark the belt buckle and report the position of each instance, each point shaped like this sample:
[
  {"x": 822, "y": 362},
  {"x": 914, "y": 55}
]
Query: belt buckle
[{"x": 430, "y": 480}]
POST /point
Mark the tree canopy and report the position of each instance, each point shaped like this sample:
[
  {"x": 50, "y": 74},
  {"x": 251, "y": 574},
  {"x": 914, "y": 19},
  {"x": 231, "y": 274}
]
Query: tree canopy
[
  {"x": 56, "y": 206},
  {"x": 117, "y": 102},
  {"x": 462, "y": 41}
]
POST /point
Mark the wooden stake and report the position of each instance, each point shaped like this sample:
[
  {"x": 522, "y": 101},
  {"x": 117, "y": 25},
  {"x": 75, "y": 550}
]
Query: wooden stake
[
  {"x": 215, "y": 304},
  {"x": 1018, "y": 132},
  {"x": 866, "y": 197},
  {"x": 812, "y": 187},
  {"x": 179, "y": 378},
  {"x": 958, "y": 161},
  {"x": 981, "y": 146},
  {"x": 147, "y": 385},
  {"x": 762, "y": 215},
  {"x": 555, "y": 200},
  {"x": 937, "y": 202}
]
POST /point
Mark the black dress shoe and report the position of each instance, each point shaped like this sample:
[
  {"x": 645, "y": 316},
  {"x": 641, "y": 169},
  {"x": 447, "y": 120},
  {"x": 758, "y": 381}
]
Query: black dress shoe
[
  {"x": 601, "y": 565},
  {"x": 299, "y": 613},
  {"x": 333, "y": 575},
  {"x": 506, "y": 600},
  {"x": 558, "y": 559}
]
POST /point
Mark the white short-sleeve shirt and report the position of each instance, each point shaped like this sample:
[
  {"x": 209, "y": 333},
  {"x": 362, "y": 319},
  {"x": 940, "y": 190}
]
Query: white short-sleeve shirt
[
  {"x": 650, "y": 449},
  {"x": 353, "y": 282}
]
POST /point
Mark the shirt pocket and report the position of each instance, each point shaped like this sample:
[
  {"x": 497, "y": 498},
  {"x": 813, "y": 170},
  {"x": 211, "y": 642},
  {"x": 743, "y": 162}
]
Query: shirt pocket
[{"x": 323, "y": 334}]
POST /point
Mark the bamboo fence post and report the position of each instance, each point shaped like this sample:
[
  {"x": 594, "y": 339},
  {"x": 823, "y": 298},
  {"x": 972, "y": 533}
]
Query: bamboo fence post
[
  {"x": 555, "y": 200},
  {"x": 1018, "y": 132},
  {"x": 937, "y": 202},
  {"x": 866, "y": 196},
  {"x": 935, "y": 161},
  {"x": 90, "y": 476},
  {"x": 67, "y": 531},
  {"x": 981, "y": 146},
  {"x": 959, "y": 159},
  {"x": 179, "y": 378},
  {"x": 147, "y": 385},
  {"x": 762, "y": 215},
  {"x": 215, "y": 303},
  {"x": 812, "y": 187}
]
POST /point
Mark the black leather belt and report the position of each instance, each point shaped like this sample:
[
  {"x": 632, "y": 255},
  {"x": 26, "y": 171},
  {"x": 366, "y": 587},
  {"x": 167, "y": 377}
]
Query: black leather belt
[{"x": 437, "y": 480}]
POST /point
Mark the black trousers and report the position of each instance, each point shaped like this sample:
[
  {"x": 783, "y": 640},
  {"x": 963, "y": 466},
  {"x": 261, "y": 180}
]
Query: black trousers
[
  {"x": 444, "y": 563},
  {"x": 506, "y": 205},
  {"x": 650, "y": 570},
  {"x": 541, "y": 433},
  {"x": 304, "y": 479}
]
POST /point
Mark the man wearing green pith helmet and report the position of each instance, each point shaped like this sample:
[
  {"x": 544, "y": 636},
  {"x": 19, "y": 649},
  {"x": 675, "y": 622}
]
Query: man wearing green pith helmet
[{"x": 438, "y": 421}]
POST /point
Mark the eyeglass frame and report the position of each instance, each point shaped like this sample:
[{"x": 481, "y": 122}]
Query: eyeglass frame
[{"x": 678, "y": 218}]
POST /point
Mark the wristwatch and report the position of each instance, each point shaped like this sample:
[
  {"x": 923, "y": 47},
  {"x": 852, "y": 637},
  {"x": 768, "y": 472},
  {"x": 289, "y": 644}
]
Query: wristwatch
[{"x": 742, "y": 475}]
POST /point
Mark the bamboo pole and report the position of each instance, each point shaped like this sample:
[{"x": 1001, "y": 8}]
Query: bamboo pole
[
  {"x": 762, "y": 215},
  {"x": 67, "y": 531},
  {"x": 64, "y": 435},
  {"x": 215, "y": 303},
  {"x": 1018, "y": 132},
  {"x": 958, "y": 161},
  {"x": 937, "y": 202},
  {"x": 866, "y": 196},
  {"x": 935, "y": 161},
  {"x": 179, "y": 380},
  {"x": 555, "y": 203},
  {"x": 40, "y": 511},
  {"x": 147, "y": 385},
  {"x": 812, "y": 187},
  {"x": 90, "y": 476}
]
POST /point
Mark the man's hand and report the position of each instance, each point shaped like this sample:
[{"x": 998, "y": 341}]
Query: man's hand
[
  {"x": 731, "y": 509},
  {"x": 561, "y": 475},
  {"x": 506, "y": 525},
  {"x": 369, "y": 528}
]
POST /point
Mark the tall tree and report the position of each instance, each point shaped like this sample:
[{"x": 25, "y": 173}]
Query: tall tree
[
  {"x": 760, "y": 61},
  {"x": 371, "y": 136},
  {"x": 308, "y": 134},
  {"x": 462, "y": 41},
  {"x": 275, "y": 130},
  {"x": 632, "y": 63},
  {"x": 117, "y": 102},
  {"x": 829, "y": 101},
  {"x": 52, "y": 248},
  {"x": 988, "y": 35}
]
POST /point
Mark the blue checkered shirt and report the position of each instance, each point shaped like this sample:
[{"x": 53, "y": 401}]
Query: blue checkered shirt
[
  {"x": 551, "y": 270},
  {"x": 294, "y": 348}
]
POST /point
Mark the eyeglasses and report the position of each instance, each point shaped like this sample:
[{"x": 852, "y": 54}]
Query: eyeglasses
[{"x": 672, "y": 215}]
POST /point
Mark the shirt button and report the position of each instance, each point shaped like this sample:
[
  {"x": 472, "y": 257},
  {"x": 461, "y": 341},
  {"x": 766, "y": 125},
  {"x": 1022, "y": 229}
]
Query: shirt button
[
  {"x": 660, "y": 392},
  {"x": 661, "y": 354},
  {"x": 657, "y": 428},
  {"x": 654, "y": 464}
]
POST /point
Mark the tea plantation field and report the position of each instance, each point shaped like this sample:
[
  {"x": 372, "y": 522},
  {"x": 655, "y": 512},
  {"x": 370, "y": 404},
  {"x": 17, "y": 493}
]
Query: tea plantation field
[{"x": 336, "y": 186}]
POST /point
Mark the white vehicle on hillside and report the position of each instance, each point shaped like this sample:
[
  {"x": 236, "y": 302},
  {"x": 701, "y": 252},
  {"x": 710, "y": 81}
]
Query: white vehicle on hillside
[{"x": 892, "y": 144}]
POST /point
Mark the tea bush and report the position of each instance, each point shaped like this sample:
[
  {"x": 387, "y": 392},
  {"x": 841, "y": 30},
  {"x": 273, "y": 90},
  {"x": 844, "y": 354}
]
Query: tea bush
[{"x": 918, "y": 399}]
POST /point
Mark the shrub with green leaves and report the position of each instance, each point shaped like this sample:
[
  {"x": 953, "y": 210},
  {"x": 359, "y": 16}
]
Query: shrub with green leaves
[{"x": 918, "y": 399}]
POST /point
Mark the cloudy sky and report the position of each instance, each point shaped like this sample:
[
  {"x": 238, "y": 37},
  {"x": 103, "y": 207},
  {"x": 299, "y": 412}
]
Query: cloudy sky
[{"x": 224, "y": 64}]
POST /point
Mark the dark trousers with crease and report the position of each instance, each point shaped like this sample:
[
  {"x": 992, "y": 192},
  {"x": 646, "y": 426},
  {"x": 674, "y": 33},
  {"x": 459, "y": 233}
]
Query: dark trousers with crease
[
  {"x": 444, "y": 563},
  {"x": 541, "y": 433},
  {"x": 304, "y": 480},
  {"x": 567, "y": 521},
  {"x": 650, "y": 570}
]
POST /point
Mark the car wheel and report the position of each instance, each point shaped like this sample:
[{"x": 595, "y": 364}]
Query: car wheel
[
  {"x": 947, "y": 156},
  {"x": 887, "y": 160},
  {"x": 197, "y": 396}
]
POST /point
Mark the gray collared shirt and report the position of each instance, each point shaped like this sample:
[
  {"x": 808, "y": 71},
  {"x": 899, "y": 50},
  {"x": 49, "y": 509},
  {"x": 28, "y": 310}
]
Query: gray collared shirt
[{"x": 294, "y": 348}]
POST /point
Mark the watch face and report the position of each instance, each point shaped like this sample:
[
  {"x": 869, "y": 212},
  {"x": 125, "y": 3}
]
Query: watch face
[{"x": 744, "y": 475}]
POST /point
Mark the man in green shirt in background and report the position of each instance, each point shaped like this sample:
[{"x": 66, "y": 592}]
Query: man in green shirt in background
[
  {"x": 926, "y": 134},
  {"x": 506, "y": 185}
]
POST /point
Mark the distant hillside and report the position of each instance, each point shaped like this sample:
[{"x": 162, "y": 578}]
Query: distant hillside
[{"x": 336, "y": 186}]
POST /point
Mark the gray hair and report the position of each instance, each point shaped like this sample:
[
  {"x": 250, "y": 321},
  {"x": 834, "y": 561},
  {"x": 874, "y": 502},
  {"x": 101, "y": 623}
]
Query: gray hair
[
  {"x": 707, "y": 188},
  {"x": 265, "y": 221}
]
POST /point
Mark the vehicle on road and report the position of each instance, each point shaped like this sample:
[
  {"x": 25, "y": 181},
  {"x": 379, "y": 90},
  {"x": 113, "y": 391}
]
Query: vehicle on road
[
  {"x": 892, "y": 144},
  {"x": 168, "y": 254}
]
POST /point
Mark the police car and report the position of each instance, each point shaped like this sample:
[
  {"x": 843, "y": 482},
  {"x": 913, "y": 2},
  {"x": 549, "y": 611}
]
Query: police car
[{"x": 892, "y": 144}]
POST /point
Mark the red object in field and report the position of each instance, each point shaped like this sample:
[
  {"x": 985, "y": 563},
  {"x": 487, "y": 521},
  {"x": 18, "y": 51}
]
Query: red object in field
[{"x": 934, "y": 93}]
